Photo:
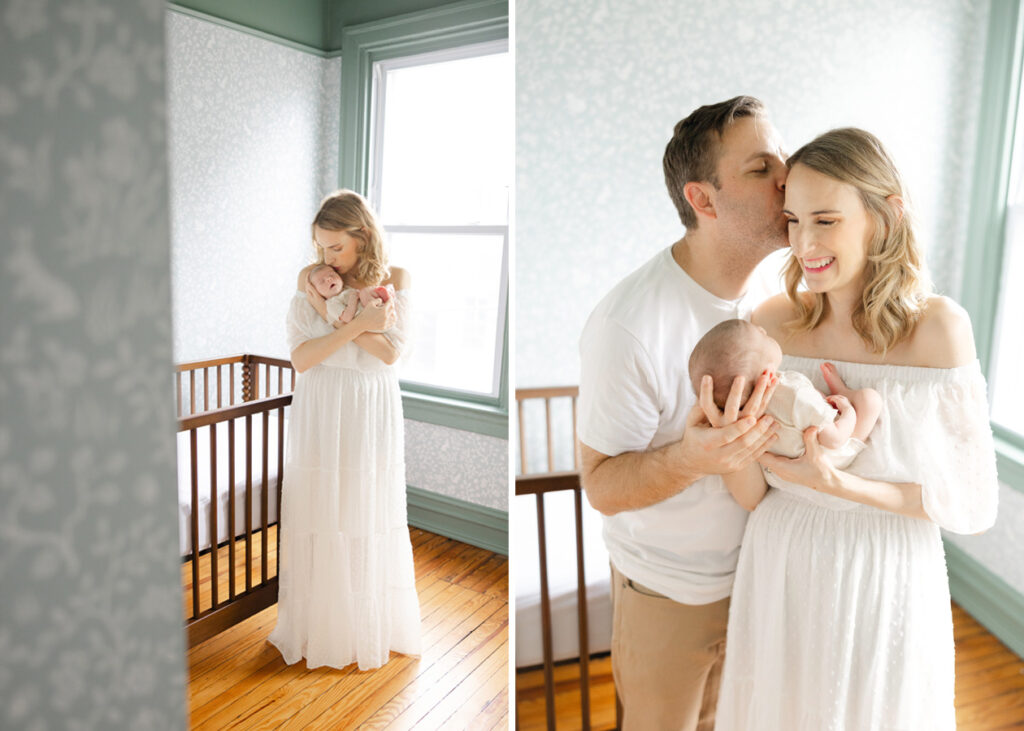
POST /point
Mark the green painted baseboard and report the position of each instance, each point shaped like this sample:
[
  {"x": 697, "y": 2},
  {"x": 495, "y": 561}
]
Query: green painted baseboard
[
  {"x": 986, "y": 597},
  {"x": 466, "y": 522}
]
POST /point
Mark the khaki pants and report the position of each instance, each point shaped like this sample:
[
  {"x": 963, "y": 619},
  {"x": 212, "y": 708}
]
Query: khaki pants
[{"x": 666, "y": 658}]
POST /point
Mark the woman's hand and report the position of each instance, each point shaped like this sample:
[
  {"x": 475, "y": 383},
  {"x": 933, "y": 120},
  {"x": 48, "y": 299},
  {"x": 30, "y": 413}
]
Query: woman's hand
[
  {"x": 811, "y": 469},
  {"x": 755, "y": 406},
  {"x": 318, "y": 302},
  {"x": 377, "y": 316}
]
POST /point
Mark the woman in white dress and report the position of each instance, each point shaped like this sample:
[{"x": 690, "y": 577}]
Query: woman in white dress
[
  {"x": 840, "y": 614},
  {"x": 347, "y": 584}
]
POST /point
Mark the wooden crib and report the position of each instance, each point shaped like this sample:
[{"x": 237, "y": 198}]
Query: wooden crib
[
  {"x": 552, "y": 478},
  {"x": 240, "y": 400}
]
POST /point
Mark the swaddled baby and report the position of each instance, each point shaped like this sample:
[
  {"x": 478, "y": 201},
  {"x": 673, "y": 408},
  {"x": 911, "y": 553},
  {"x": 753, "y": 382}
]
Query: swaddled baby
[{"x": 740, "y": 348}]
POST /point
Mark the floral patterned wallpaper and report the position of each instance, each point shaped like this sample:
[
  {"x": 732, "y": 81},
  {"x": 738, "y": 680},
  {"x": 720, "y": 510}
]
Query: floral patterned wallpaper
[
  {"x": 253, "y": 128},
  {"x": 90, "y": 621},
  {"x": 459, "y": 464}
]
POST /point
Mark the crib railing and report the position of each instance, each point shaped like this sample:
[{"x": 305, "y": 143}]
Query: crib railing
[
  {"x": 235, "y": 401},
  {"x": 540, "y": 484}
]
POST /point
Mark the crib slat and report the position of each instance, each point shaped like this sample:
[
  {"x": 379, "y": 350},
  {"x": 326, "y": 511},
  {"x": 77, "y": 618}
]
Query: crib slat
[
  {"x": 231, "y": 507},
  {"x": 581, "y": 611},
  {"x": 551, "y": 448},
  {"x": 194, "y": 457},
  {"x": 293, "y": 378},
  {"x": 266, "y": 374},
  {"x": 280, "y": 380},
  {"x": 219, "y": 387},
  {"x": 206, "y": 389},
  {"x": 214, "y": 504},
  {"x": 231, "y": 375},
  {"x": 178, "y": 389},
  {"x": 545, "y": 616},
  {"x": 575, "y": 439},
  {"x": 522, "y": 439},
  {"x": 192, "y": 391},
  {"x": 248, "y": 502},
  {"x": 263, "y": 501},
  {"x": 280, "y": 481}
]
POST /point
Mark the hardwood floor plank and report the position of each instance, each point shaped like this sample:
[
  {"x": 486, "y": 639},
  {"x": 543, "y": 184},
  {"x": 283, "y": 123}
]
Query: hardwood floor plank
[
  {"x": 989, "y": 686},
  {"x": 410, "y": 682},
  {"x": 449, "y": 670},
  {"x": 333, "y": 691},
  {"x": 239, "y": 681}
]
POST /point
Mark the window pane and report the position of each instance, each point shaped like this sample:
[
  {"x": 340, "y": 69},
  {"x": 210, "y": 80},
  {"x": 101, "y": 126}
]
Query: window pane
[
  {"x": 1007, "y": 396},
  {"x": 447, "y": 143},
  {"x": 456, "y": 302}
]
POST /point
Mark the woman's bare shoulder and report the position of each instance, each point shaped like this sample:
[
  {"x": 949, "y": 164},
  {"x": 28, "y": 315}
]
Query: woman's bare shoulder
[
  {"x": 304, "y": 277},
  {"x": 773, "y": 313},
  {"x": 943, "y": 337},
  {"x": 399, "y": 279}
]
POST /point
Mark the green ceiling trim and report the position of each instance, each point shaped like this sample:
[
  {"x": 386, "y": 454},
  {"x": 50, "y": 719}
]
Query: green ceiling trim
[
  {"x": 311, "y": 26},
  {"x": 300, "y": 24}
]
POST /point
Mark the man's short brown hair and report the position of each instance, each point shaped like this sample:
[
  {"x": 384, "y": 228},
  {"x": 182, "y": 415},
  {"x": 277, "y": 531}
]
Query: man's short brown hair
[{"x": 692, "y": 153}]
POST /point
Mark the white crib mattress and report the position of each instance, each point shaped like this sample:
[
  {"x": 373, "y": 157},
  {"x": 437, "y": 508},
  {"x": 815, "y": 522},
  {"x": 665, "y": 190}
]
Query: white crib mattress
[
  {"x": 204, "y": 473},
  {"x": 560, "y": 522}
]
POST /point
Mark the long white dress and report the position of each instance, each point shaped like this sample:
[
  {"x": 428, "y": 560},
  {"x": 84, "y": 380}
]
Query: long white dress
[
  {"x": 840, "y": 616},
  {"x": 347, "y": 583}
]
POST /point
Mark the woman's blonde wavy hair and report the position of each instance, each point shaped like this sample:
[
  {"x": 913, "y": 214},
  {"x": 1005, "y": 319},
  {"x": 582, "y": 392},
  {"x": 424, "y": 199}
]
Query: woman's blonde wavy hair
[
  {"x": 895, "y": 283},
  {"x": 346, "y": 210}
]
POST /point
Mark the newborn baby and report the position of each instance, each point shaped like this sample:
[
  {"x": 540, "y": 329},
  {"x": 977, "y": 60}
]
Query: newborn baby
[
  {"x": 344, "y": 303},
  {"x": 740, "y": 348}
]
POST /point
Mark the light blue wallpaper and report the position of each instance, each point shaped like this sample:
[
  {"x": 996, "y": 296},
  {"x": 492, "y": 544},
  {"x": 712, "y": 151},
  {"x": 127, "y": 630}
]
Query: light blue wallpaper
[
  {"x": 600, "y": 85},
  {"x": 90, "y": 621},
  {"x": 1001, "y": 547},
  {"x": 459, "y": 464},
  {"x": 253, "y": 147}
]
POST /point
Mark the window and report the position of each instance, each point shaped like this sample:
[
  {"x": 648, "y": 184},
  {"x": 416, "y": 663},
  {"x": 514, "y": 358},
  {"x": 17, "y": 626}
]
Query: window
[
  {"x": 1008, "y": 351},
  {"x": 441, "y": 175},
  {"x": 994, "y": 260},
  {"x": 420, "y": 138}
]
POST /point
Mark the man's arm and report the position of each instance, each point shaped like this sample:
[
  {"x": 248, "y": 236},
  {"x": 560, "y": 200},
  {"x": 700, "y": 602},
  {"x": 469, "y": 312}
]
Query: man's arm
[{"x": 635, "y": 480}]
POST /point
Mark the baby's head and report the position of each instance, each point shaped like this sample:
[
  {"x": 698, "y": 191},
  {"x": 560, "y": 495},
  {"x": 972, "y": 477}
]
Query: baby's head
[
  {"x": 326, "y": 281},
  {"x": 729, "y": 349}
]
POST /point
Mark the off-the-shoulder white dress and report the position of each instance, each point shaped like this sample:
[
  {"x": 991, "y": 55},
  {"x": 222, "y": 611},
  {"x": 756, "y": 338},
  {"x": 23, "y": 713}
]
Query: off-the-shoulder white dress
[
  {"x": 840, "y": 616},
  {"x": 347, "y": 584}
]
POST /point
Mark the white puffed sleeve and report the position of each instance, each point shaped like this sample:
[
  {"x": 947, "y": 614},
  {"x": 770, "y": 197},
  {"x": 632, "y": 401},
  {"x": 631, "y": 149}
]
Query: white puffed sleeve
[
  {"x": 401, "y": 332},
  {"x": 953, "y": 454},
  {"x": 299, "y": 324}
]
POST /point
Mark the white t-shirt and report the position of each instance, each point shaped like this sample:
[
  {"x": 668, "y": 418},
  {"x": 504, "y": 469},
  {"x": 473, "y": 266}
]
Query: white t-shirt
[{"x": 635, "y": 394}]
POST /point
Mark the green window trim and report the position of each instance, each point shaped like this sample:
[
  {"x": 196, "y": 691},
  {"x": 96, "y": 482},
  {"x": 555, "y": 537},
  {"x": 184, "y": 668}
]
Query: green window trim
[
  {"x": 982, "y": 265},
  {"x": 450, "y": 26}
]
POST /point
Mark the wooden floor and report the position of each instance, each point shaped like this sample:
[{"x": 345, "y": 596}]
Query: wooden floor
[
  {"x": 238, "y": 680},
  {"x": 989, "y": 686}
]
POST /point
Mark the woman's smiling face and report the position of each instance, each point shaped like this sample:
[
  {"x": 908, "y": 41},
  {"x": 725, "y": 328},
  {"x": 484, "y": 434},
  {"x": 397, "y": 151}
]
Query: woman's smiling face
[
  {"x": 829, "y": 229},
  {"x": 341, "y": 249}
]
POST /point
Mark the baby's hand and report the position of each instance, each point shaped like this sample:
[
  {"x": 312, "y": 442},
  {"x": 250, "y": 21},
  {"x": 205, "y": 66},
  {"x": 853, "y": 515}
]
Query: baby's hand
[{"x": 377, "y": 316}]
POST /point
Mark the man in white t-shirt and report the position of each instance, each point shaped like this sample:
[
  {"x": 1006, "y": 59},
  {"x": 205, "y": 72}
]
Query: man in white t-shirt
[{"x": 651, "y": 461}]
